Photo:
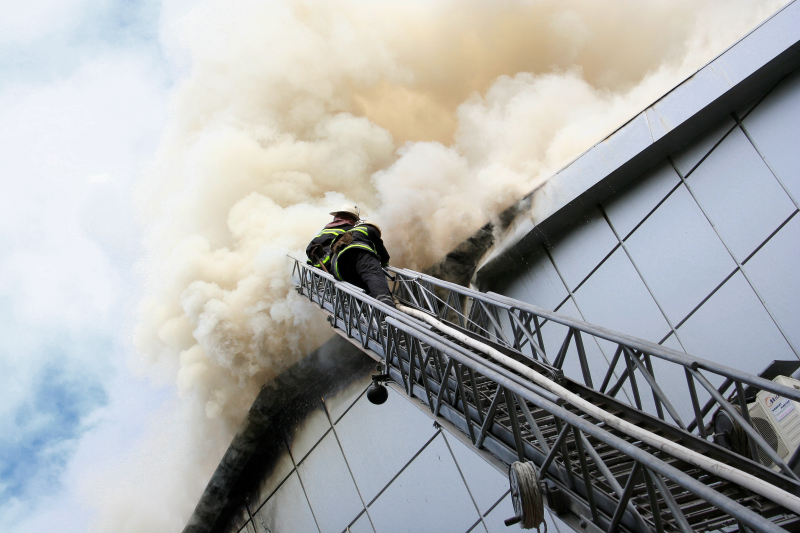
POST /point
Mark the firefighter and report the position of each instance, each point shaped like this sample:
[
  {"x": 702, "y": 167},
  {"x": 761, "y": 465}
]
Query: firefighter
[
  {"x": 358, "y": 257},
  {"x": 318, "y": 250}
]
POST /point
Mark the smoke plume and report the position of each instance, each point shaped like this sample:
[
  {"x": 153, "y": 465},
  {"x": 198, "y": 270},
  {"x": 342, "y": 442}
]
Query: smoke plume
[{"x": 431, "y": 117}]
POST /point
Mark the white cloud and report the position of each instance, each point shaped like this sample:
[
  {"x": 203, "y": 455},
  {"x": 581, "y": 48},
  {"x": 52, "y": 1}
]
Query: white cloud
[
  {"x": 72, "y": 144},
  {"x": 23, "y": 22}
]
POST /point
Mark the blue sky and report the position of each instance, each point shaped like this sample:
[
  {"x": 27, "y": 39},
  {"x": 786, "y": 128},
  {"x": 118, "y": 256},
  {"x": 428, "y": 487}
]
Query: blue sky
[{"x": 83, "y": 96}]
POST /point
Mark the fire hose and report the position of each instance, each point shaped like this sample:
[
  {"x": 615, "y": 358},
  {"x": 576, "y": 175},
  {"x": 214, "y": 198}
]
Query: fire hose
[{"x": 717, "y": 468}]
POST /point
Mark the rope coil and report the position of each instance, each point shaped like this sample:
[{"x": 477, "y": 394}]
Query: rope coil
[{"x": 526, "y": 496}]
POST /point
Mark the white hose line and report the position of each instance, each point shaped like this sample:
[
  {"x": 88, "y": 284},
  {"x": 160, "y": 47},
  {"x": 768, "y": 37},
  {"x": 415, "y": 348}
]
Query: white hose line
[{"x": 748, "y": 481}]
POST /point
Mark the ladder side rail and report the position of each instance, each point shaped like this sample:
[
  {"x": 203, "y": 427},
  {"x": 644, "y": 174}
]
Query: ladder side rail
[
  {"x": 503, "y": 436},
  {"x": 702, "y": 491},
  {"x": 637, "y": 416},
  {"x": 366, "y": 306},
  {"x": 635, "y": 343},
  {"x": 641, "y": 347},
  {"x": 646, "y": 369},
  {"x": 313, "y": 278}
]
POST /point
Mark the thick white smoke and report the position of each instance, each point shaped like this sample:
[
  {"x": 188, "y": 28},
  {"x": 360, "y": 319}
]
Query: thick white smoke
[{"x": 432, "y": 117}]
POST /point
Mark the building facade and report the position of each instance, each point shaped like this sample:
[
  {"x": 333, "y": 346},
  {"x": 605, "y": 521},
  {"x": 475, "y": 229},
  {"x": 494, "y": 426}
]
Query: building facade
[
  {"x": 349, "y": 465},
  {"x": 681, "y": 228}
]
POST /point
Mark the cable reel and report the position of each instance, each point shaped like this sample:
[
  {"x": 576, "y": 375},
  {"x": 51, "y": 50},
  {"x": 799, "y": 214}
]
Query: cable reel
[{"x": 526, "y": 496}]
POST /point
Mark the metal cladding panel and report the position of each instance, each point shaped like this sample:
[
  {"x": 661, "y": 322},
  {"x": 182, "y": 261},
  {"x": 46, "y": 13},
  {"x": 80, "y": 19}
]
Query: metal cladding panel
[
  {"x": 339, "y": 402},
  {"x": 730, "y": 84},
  {"x": 287, "y": 511},
  {"x": 428, "y": 495},
  {"x": 281, "y": 468},
  {"x": 615, "y": 297},
  {"x": 774, "y": 128},
  {"x": 378, "y": 440},
  {"x": 553, "y": 335},
  {"x": 626, "y": 142},
  {"x": 629, "y": 207},
  {"x": 688, "y": 157},
  {"x": 577, "y": 251},
  {"x": 362, "y": 525},
  {"x": 486, "y": 485},
  {"x": 536, "y": 282},
  {"x": 494, "y": 520},
  {"x": 774, "y": 273},
  {"x": 739, "y": 194},
  {"x": 329, "y": 486},
  {"x": 308, "y": 432},
  {"x": 686, "y": 100},
  {"x": 679, "y": 255},
  {"x": 733, "y": 327},
  {"x": 673, "y": 380}
]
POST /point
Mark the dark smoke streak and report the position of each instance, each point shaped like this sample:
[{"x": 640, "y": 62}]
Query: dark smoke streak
[{"x": 279, "y": 406}]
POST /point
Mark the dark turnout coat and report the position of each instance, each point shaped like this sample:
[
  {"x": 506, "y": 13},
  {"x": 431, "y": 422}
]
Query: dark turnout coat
[
  {"x": 357, "y": 258},
  {"x": 322, "y": 243},
  {"x": 361, "y": 237}
]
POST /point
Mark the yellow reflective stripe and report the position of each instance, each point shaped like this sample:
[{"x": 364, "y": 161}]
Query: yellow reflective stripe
[
  {"x": 365, "y": 231},
  {"x": 359, "y": 245},
  {"x": 330, "y": 232},
  {"x": 354, "y": 245}
]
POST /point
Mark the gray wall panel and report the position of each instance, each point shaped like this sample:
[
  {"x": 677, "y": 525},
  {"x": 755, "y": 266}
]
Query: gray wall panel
[
  {"x": 554, "y": 334},
  {"x": 308, "y": 432},
  {"x": 774, "y": 273},
  {"x": 283, "y": 467},
  {"x": 537, "y": 282},
  {"x": 774, "y": 127},
  {"x": 615, "y": 297},
  {"x": 739, "y": 194},
  {"x": 485, "y": 483},
  {"x": 579, "y": 250},
  {"x": 378, "y": 440},
  {"x": 628, "y": 208},
  {"x": 733, "y": 328},
  {"x": 685, "y": 100},
  {"x": 362, "y": 525},
  {"x": 329, "y": 486},
  {"x": 338, "y": 403},
  {"x": 688, "y": 157},
  {"x": 287, "y": 511},
  {"x": 679, "y": 255},
  {"x": 415, "y": 501}
]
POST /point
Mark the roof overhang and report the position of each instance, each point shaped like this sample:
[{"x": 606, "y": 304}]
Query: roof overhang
[{"x": 740, "y": 74}]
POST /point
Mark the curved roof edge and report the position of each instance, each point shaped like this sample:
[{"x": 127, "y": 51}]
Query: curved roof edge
[{"x": 748, "y": 68}]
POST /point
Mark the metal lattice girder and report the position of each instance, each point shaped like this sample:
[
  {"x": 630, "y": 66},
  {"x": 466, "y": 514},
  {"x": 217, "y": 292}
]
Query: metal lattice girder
[{"x": 597, "y": 473}]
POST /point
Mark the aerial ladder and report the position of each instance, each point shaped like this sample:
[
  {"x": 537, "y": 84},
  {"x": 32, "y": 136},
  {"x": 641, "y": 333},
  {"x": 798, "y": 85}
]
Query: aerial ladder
[{"x": 617, "y": 456}]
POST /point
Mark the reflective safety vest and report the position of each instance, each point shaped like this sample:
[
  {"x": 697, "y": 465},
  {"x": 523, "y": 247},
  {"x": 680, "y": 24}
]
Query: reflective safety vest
[
  {"x": 324, "y": 238},
  {"x": 365, "y": 238}
]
